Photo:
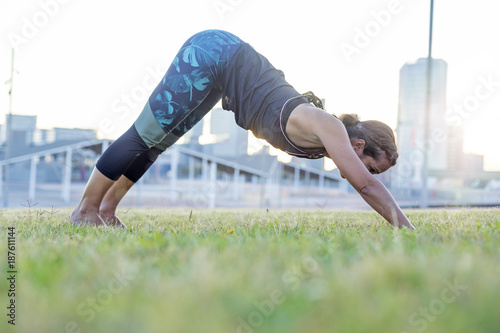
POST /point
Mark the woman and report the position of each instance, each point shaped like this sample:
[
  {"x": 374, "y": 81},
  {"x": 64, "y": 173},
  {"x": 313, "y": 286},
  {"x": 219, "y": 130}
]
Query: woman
[{"x": 214, "y": 65}]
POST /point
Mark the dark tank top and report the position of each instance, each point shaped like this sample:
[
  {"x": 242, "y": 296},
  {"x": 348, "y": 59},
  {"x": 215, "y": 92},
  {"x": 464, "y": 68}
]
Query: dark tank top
[{"x": 256, "y": 92}]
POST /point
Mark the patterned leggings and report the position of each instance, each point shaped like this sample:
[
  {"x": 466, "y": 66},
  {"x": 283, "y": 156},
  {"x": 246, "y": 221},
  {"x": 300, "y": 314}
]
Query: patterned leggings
[{"x": 188, "y": 91}]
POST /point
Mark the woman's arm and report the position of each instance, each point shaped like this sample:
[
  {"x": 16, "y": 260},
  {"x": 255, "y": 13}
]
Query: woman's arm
[{"x": 332, "y": 134}]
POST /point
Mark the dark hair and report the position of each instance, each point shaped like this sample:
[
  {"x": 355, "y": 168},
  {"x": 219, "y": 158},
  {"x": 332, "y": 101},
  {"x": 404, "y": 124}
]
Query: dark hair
[{"x": 379, "y": 138}]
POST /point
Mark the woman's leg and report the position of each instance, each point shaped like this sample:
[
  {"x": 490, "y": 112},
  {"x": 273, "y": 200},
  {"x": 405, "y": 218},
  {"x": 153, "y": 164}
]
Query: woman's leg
[
  {"x": 87, "y": 211},
  {"x": 110, "y": 166},
  {"x": 142, "y": 163},
  {"x": 111, "y": 200}
]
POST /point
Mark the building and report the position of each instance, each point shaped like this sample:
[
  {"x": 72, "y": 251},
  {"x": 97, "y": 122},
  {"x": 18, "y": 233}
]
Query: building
[
  {"x": 23, "y": 128},
  {"x": 61, "y": 134},
  {"x": 455, "y": 144},
  {"x": 458, "y": 161},
  {"x": 411, "y": 119},
  {"x": 217, "y": 134},
  {"x": 27, "y": 140}
]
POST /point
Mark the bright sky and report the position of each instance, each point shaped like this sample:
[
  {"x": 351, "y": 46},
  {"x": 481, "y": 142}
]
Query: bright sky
[{"x": 92, "y": 64}]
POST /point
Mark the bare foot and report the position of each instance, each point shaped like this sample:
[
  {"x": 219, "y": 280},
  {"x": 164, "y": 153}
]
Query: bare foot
[
  {"x": 86, "y": 219},
  {"x": 111, "y": 219}
]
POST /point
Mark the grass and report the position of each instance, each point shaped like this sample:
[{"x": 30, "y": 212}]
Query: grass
[{"x": 254, "y": 271}]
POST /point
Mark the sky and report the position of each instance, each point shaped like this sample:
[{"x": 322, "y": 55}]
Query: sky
[{"x": 93, "y": 64}]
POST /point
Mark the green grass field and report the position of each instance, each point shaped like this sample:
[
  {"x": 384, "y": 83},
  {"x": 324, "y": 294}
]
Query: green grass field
[{"x": 253, "y": 271}]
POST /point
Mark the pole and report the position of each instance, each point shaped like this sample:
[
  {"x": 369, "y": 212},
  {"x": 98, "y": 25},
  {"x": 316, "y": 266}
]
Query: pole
[
  {"x": 174, "y": 162},
  {"x": 8, "y": 135},
  {"x": 32, "y": 186},
  {"x": 425, "y": 167},
  {"x": 66, "y": 181},
  {"x": 213, "y": 185},
  {"x": 236, "y": 184}
]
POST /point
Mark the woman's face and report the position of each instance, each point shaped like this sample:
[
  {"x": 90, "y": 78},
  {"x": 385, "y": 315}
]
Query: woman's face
[{"x": 374, "y": 166}]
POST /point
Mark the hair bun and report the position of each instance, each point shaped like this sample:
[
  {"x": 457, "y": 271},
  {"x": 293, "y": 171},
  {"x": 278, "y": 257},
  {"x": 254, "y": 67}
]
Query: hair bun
[{"x": 349, "y": 119}]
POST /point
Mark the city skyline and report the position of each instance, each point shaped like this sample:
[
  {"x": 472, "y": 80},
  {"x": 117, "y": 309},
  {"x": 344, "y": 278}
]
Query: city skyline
[{"x": 72, "y": 74}]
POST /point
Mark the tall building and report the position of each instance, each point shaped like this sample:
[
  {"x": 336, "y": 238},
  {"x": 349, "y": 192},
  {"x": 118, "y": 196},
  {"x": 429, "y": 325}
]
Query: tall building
[
  {"x": 411, "y": 113},
  {"x": 218, "y": 134},
  {"x": 232, "y": 139}
]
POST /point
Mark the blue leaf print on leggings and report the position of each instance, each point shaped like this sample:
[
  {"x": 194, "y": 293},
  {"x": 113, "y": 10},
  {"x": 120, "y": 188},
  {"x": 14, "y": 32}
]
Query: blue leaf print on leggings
[
  {"x": 165, "y": 99},
  {"x": 195, "y": 70},
  {"x": 183, "y": 83},
  {"x": 204, "y": 54},
  {"x": 208, "y": 47}
]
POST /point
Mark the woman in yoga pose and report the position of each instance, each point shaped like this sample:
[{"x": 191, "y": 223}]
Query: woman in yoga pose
[{"x": 214, "y": 65}]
